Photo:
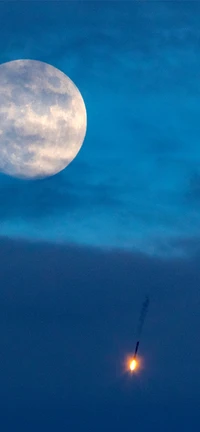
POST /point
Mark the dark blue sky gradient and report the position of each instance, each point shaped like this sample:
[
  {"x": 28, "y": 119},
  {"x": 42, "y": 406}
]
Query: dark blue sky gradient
[
  {"x": 68, "y": 319},
  {"x": 80, "y": 250}
]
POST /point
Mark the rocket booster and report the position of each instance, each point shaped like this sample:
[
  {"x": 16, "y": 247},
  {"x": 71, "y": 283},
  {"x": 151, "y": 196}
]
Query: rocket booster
[
  {"x": 133, "y": 363},
  {"x": 136, "y": 349}
]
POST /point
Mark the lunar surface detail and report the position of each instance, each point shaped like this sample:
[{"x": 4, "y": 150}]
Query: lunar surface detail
[{"x": 43, "y": 119}]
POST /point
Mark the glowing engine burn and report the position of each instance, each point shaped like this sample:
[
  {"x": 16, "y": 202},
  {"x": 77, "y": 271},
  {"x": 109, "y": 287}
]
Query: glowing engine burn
[{"x": 133, "y": 365}]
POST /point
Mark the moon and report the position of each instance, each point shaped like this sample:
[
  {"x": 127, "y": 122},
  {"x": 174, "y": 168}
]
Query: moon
[{"x": 43, "y": 119}]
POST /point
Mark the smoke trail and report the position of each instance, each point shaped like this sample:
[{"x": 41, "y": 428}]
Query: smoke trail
[{"x": 142, "y": 317}]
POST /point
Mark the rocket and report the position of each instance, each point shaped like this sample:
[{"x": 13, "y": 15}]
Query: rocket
[
  {"x": 133, "y": 363},
  {"x": 136, "y": 349},
  {"x": 142, "y": 317}
]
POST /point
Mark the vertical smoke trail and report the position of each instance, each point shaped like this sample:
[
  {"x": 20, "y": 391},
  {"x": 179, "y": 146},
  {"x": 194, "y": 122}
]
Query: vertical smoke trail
[{"x": 142, "y": 316}]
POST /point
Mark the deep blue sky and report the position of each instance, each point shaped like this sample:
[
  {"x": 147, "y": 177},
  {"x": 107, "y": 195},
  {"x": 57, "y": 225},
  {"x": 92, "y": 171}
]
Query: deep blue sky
[{"x": 126, "y": 211}]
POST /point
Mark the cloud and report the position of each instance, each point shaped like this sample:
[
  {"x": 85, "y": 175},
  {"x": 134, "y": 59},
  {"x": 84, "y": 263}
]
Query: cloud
[
  {"x": 55, "y": 195},
  {"x": 137, "y": 68}
]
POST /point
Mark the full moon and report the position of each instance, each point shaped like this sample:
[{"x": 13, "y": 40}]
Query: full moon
[{"x": 43, "y": 119}]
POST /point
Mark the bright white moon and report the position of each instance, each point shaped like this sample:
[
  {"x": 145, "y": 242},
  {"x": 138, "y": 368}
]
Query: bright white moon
[{"x": 43, "y": 119}]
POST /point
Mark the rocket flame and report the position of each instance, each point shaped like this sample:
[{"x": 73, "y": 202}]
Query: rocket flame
[{"x": 133, "y": 365}]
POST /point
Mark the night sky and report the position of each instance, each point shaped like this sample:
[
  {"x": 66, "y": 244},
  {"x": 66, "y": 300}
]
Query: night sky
[{"x": 80, "y": 250}]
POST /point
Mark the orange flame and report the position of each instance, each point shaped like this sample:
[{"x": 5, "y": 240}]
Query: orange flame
[{"x": 133, "y": 365}]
